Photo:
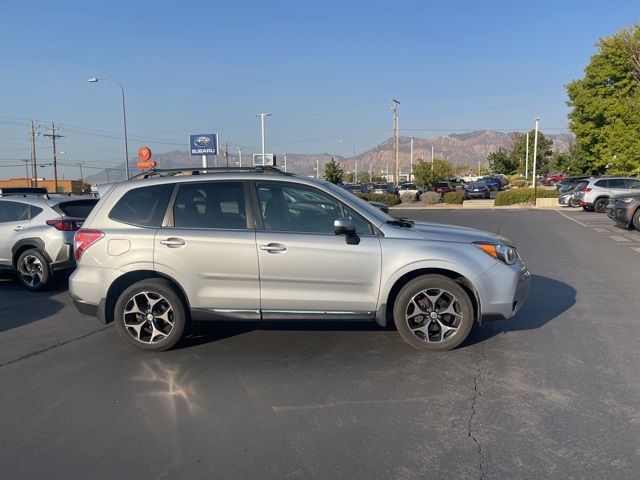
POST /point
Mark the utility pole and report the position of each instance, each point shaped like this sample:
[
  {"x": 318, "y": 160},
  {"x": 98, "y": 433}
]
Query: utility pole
[
  {"x": 432, "y": 158},
  {"x": 226, "y": 152},
  {"x": 240, "y": 156},
  {"x": 26, "y": 167},
  {"x": 526, "y": 162},
  {"x": 53, "y": 135},
  {"x": 81, "y": 176},
  {"x": 370, "y": 172},
  {"x": 262, "y": 115},
  {"x": 535, "y": 153},
  {"x": 285, "y": 162},
  {"x": 34, "y": 165},
  {"x": 394, "y": 109},
  {"x": 317, "y": 167},
  {"x": 411, "y": 162}
]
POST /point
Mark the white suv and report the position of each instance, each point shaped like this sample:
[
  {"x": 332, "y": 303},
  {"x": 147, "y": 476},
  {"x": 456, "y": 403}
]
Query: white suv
[{"x": 595, "y": 195}]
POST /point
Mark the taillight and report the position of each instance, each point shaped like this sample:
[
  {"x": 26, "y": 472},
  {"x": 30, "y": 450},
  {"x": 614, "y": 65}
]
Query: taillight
[
  {"x": 64, "y": 225},
  {"x": 587, "y": 189},
  {"x": 84, "y": 239}
]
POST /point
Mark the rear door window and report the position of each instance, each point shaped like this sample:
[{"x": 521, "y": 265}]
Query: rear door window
[
  {"x": 143, "y": 207},
  {"x": 602, "y": 183},
  {"x": 17, "y": 211},
  {"x": 76, "y": 208},
  {"x": 210, "y": 205}
]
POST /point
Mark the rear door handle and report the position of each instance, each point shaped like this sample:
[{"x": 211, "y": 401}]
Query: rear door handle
[
  {"x": 18, "y": 228},
  {"x": 172, "y": 242},
  {"x": 274, "y": 248}
]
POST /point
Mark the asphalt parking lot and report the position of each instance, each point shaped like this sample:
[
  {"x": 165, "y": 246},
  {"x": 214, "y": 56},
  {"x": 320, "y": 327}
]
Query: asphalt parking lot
[{"x": 553, "y": 392}]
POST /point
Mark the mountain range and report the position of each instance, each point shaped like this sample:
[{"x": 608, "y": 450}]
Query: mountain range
[{"x": 465, "y": 149}]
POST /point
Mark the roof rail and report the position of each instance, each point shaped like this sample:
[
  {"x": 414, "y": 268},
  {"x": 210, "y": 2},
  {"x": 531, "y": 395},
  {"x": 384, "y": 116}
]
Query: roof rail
[
  {"x": 23, "y": 191},
  {"x": 163, "y": 172}
]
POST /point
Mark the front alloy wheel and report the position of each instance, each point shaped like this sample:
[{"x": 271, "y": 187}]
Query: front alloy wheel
[
  {"x": 433, "y": 312},
  {"x": 33, "y": 270}
]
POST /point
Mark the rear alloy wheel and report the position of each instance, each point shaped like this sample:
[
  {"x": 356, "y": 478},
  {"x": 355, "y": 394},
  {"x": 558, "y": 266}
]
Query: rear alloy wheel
[
  {"x": 601, "y": 205},
  {"x": 149, "y": 315},
  {"x": 33, "y": 270},
  {"x": 433, "y": 313}
]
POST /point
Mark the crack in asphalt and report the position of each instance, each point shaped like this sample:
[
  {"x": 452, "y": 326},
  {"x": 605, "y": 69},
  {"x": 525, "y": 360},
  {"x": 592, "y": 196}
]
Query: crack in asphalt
[
  {"x": 38, "y": 352},
  {"x": 476, "y": 396}
]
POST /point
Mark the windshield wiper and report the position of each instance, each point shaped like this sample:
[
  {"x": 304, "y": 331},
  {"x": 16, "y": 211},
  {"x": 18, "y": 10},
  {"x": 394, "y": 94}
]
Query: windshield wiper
[{"x": 401, "y": 222}]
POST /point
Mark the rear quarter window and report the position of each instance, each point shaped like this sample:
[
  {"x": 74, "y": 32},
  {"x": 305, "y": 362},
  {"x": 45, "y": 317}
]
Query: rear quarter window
[
  {"x": 76, "y": 208},
  {"x": 143, "y": 207},
  {"x": 602, "y": 183}
]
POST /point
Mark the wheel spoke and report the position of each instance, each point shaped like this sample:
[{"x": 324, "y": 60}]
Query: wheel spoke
[
  {"x": 444, "y": 329},
  {"x": 164, "y": 316},
  {"x": 450, "y": 310},
  {"x": 424, "y": 329},
  {"x": 434, "y": 298},
  {"x": 156, "y": 333}
]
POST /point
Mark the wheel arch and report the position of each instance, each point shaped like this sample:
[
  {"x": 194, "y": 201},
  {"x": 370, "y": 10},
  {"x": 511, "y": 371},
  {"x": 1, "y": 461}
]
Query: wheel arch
[
  {"x": 25, "y": 244},
  {"x": 124, "y": 281},
  {"x": 384, "y": 316}
]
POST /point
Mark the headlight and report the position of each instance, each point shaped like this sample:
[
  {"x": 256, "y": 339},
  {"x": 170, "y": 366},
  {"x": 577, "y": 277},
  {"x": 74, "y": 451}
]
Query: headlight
[
  {"x": 625, "y": 199},
  {"x": 498, "y": 251}
]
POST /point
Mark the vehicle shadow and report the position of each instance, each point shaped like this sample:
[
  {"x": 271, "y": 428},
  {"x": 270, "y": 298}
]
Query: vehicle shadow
[
  {"x": 548, "y": 299},
  {"x": 19, "y": 307}
]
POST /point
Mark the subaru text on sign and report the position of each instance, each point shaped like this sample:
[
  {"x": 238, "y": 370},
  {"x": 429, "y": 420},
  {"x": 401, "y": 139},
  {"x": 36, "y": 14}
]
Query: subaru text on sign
[{"x": 206, "y": 144}]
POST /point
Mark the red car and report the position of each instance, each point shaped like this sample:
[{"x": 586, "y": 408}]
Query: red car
[
  {"x": 443, "y": 187},
  {"x": 553, "y": 179}
]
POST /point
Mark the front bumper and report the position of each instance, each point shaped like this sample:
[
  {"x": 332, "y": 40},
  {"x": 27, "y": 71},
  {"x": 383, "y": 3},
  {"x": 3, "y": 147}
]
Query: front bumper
[
  {"x": 503, "y": 290},
  {"x": 623, "y": 215}
]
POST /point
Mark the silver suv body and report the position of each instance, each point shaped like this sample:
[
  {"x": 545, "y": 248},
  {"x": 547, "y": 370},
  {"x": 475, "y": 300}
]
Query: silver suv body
[
  {"x": 36, "y": 235},
  {"x": 595, "y": 195},
  {"x": 264, "y": 245}
]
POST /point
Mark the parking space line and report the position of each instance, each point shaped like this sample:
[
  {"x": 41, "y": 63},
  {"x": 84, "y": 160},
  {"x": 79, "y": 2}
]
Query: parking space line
[
  {"x": 619, "y": 239},
  {"x": 636, "y": 249},
  {"x": 572, "y": 219}
]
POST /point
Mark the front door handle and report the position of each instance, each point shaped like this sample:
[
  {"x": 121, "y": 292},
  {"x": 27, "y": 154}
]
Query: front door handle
[
  {"x": 18, "y": 228},
  {"x": 172, "y": 242},
  {"x": 274, "y": 248}
]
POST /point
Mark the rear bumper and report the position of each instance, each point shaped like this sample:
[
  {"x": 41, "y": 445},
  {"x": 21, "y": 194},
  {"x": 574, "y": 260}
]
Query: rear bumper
[{"x": 65, "y": 259}]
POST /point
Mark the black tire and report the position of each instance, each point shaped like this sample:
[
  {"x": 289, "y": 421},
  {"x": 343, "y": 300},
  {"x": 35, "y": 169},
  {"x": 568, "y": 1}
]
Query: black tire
[
  {"x": 133, "y": 298},
  {"x": 587, "y": 208},
  {"x": 601, "y": 205},
  {"x": 403, "y": 305},
  {"x": 33, "y": 270},
  {"x": 636, "y": 219}
]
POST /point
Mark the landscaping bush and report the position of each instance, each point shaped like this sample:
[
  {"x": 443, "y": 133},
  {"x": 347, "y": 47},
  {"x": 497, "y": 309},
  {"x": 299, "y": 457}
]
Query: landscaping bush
[
  {"x": 514, "y": 178},
  {"x": 547, "y": 193},
  {"x": 430, "y": 198},
  {"x": 387, "y": 199},
  {"x": 407, "y": 197},
  {"x": 453, "y": 197},
  {"x": 522, "y": 195},
  {"x": 520, "y": 183}
]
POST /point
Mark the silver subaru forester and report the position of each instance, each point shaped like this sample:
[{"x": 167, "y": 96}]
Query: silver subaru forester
[{"x": 260, "y": 244}]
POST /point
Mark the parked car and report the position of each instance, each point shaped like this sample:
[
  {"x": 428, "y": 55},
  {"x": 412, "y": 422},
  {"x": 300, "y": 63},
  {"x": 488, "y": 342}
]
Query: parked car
[
  {"x": 569, "y": 183},
  {"x": 380, "y": 206},
  {"x": 493, "y": 183},
  {"x": 384, "y": 189},
  {"x": 552, "y": 180},
  {"x": 443, "y": 187},
  {"x": 36, "y": 235},
  {"x": 159, "y": 252},
  {"x": 477, "y": 189},
  {"x": 595, "y": 195},
  {"x": 352, "y": 187},
  {"x": 625, "y": 210},
  {"x": 409, "y": 188}
]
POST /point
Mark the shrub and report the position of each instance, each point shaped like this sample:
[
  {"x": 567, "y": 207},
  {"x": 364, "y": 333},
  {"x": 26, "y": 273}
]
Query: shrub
[
  {"x": 522, "y": 195},
  {"x": 407, "y": 197},
  {"x": 514, "y": 178},
  {"x": 430, "y": 198},
  {"x": 547, "y": 193},
  {"x": 387, "y": 199},
  {"x": 453, "y": 197},
  {"x": 519, "y": 183}
]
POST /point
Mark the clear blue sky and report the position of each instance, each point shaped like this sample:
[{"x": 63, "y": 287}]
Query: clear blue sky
[{"x": 325, "y": 70}]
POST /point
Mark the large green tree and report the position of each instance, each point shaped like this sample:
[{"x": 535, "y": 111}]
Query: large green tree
[
  {"x": 502, "y": 162},
  {"x": 427, "y": 174},
  {"x": 605, "y": 105},
  {"x": 333, "y": 172}
]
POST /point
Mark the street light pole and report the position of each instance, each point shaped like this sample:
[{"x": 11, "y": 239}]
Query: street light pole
[
  {"x": 262, "y": 115},
  {"x": 240, "y": 155},
  {"x": 535, "y": 153},
  {"x": 526, "y": 161},
  {"x": 124, "y": 121},
  {"x": 411, "y": 162},
  {"x": 81, "y": 176}
]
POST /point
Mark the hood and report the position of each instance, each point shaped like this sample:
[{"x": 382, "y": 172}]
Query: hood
[{"x": 451, "y": 233}]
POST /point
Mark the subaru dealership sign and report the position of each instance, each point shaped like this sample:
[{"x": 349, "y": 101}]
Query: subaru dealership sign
[{"x": 206, "y": 144}]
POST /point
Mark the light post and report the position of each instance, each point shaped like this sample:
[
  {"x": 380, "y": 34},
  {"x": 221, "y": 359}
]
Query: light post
[
  {"x": 124, "y": 121},
  {"x": 355, "y": 165},
  {"x": 262, "y": 115},
  {"x": 535, "y": 153},
  {"x": 79, "y": 164}
]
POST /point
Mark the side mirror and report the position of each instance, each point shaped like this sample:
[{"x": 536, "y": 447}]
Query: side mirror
[{"x": 344, "y": 226}]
